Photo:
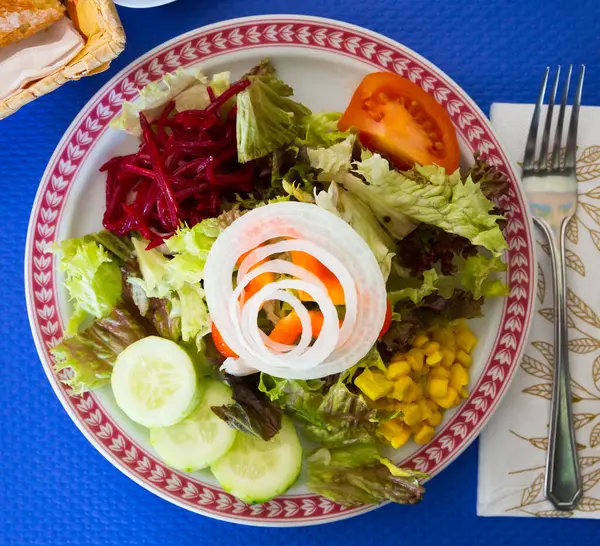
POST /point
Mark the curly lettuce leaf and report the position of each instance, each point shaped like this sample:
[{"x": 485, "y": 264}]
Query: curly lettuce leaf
[
  {"x": 477, "y": 275},
  {"x": 416, "y": 293},
  {"x": 267, "y": 118},
  {"x": 356, "y": 213},
  {"x": 321, "y": 131},
  {"x": 357, "y": 475},
  {"x": 195, "y": 320},
  {"x": 92, "y": 278},
  {"x": 156, "y": 95},
  {"x": 332, "y": 161},
  {"x": 252, "y": 412},
  {"x": 398, "y": 201},
  {"x": 153, "y": 267},
  {"x": 91, "y": 354}
]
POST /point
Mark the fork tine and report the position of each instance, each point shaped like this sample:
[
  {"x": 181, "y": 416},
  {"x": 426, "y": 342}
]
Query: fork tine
[
  {"x": 561, "y": 121},
  {"x": 572, "y": 135},
  {"x": 543, "y": 163},
  {"x": 529, "y": 158}
]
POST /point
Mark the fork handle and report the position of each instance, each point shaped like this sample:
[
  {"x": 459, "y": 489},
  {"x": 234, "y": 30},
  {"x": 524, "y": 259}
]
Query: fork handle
[{"x": 563, "y": 485}]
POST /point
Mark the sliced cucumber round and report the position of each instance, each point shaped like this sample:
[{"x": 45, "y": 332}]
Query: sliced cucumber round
[
  {"x": 201, "y": 438},
  {"x": 256, "y": 471},
  {"x": 154, "y": 382}
]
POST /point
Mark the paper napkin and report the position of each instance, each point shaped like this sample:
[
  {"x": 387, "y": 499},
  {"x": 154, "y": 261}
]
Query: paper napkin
[{"x": 512, "y": 449}]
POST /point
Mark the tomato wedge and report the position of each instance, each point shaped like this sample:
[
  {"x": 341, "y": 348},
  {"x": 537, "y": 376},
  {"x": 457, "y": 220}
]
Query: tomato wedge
[
  {"x": 387, "y": 321},
  {"x": 289, "y": 328},
  {"x": 397, "y": 117},
  {"x": 220, "y": 344},
  {"x": 258, "y": 282},
  {"x": 331, "y": 282}
]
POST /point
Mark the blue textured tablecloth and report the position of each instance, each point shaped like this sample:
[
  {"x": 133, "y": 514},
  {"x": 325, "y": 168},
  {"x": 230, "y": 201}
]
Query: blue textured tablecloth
[{"x": 55, "y": 488}]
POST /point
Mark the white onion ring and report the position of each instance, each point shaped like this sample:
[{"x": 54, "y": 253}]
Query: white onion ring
[{"x": 308, "y": 228}]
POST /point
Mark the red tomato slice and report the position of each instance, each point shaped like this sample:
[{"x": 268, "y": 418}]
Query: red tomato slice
[
  {"x": 396, "y": 117},
  {"x": 387, "y": 321},
  {"x": 220, "y": 344}
]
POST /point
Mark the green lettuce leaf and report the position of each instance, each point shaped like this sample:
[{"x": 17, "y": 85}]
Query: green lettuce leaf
[
  {"x": 417, "y": 293},
  {"x": 190, "y": 248},
  {"x": 91, "y": 354},
  {"x": 477, "y": 275},
  {"x": 356, "y": 475},
  {"x": 398, "y": 201},
  {"x": 153, "y": 267},
  {"x": 92, "y": 278},
  {"x": 332, "y": 161},
  {"x": 252, "y": 413},
  {"x": 267, "y": 118},
  {"x": 356, "y": 213},
  {"x": 156, "y": 95},
  {"x": 195, "y": 320},
  {"x": 321, "y": 131}
]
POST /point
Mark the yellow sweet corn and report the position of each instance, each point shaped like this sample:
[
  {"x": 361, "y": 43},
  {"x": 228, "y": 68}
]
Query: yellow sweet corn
[
  {"x": 424, "y": 434},
  {"x": 400, "y": 439},
  {"x": 435, "y": 419},
  {"x": 415, "y": 358},
  {"x": 437, "y": 387},
  {"x": 397, "y": 369},
  {"x": 445, "y": 337},
  {"x": 401, "y": 387},
  {"x": 465, "y": 339},
  {"x": 373, "y": 383},
  {"x": 440, "y": 371},
  {"x": 448, "y": 401},
  {"x": 411, "y": 414},
  {"x": 431, "y": 348},
  {"x": 464, "y": 358},
  {"x": 448, "y": 357},
  {"x": 420, "y": 340},
  {"x": 458, "y": 377},
  {"x": 413, "y": 393},
  {"x": 426, "y": 411},
  {"x": 464, "y": 393},
  {"x": 391, "y": 428},
  {"x": 434, "y": 358}
]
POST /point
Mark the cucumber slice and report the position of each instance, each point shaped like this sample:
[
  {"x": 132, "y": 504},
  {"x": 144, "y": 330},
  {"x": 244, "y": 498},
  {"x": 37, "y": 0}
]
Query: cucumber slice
[
  {"x": 256, "y": 471},
  {"x": 154, "y": 382},
  {"x": 201, "y": 438}
]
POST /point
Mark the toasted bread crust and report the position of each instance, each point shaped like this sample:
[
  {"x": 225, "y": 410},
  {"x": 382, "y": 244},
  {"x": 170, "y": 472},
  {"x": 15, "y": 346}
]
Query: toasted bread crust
[{"x": 22, "y": 18}]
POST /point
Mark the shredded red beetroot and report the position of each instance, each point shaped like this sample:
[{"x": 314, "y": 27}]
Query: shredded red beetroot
[{"x": 185, "y": 166}]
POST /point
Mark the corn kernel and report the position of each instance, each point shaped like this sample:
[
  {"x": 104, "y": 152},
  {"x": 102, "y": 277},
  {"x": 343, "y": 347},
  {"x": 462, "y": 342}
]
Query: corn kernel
[
  {"x": 373, "y": 383},
  {"x": 415, "y": 358},
  {"x": 397, "y": 369},
  {"x": 401, "y": 387},
  {"x": 466, "y": 340},
  {"x": 411, "y": 414},
  {"x": 464, "y": 393},
  {"x": 463, "y": 358},
  {"x": 437, "y": 387},
  {"x": 435, "y": 419},
  {"x": 420, "y": 340},
  {"x": 447, "y": 358},
  {"x": 412, "y": 393},
  {"x": 445, "y": 337},
  {"x": 424, "y": 435},
  {"x": 400, "y": 439},
  {"x": 432, "y": 405},
  {"x": 434, "y": 358},
  {"x": 458, "y": 377},
  {"x": 440, "y": 371},
  {"x": 431, "y": 347},
  {"x": 426, "y": 411},
  {"x": 394, "y": 427},
  {"x": 448, "y": 401}
]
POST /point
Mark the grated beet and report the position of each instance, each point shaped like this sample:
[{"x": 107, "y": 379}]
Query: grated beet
[{"x": 185, "y": 166}]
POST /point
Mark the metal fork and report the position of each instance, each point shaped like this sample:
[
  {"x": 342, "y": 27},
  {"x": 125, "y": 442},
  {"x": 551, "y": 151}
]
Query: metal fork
[{"x": 551, "y": 190}]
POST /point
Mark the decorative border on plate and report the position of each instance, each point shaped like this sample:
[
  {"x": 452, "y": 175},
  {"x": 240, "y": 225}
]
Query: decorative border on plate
[{"x": 193, "y": 48}]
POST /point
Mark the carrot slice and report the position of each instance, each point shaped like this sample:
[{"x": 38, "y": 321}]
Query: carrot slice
[
  {"x": 289, "y": 328},
  {"x": 331, "y": 282},
  {"x": 259, "y": 282}
]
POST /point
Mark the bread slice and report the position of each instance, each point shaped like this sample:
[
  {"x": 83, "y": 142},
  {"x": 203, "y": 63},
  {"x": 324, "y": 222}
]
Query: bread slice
[{"x": 22, "y": 18}]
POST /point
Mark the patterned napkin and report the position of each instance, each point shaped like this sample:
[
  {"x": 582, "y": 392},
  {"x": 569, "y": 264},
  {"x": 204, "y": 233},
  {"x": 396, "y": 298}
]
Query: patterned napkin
[{"x": 512, "y": 449}]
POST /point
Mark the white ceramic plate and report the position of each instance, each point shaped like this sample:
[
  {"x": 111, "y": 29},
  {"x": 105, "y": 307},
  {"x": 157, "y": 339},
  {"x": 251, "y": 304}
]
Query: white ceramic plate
[
  {"x": 142, "y": 3},
  {"x": 324, "y": 61}
]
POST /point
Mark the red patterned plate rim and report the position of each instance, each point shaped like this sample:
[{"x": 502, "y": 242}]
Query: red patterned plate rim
[{"x": 205, "y": 43}]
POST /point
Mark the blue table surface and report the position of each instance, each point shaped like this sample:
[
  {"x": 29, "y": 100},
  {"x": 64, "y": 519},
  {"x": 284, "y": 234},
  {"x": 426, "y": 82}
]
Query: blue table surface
[{"x": 55, "y": 488}]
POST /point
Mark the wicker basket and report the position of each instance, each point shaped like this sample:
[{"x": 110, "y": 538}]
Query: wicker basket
[{"x": 98, "y": 22}]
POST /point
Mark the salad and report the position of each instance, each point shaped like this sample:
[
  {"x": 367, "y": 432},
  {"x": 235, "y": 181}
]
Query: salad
[{"x": 267, "y": 273}]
